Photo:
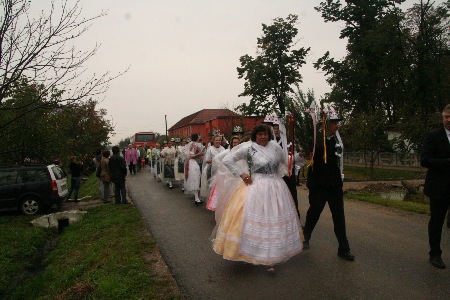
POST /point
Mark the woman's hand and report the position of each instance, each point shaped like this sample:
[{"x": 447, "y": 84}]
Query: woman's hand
[
  {"x": 209, "y": 161},
  {"x": 246, "y": 178}
]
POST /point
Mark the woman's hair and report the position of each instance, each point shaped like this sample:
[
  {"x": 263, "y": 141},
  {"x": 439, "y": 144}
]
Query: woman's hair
[
  {"x": 194, "y": 137},
  {"x": 247, "y": 137},
  {"x": 106, "y": 153},
  {"x": 260, "y": 128},
  {"x": 73, "y": 158},
  {"x": 234, "y": 137},
  {"x": 217, "y": 136}
]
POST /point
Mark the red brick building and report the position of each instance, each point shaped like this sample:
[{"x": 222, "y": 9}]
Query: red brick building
[{"x": 205, "y": 121}]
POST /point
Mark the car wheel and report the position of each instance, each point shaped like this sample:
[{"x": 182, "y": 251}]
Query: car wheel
[{"x": 30, "y": 206}]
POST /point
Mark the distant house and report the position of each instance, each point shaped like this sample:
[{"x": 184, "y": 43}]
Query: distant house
[{"x": 207, "y": 121}]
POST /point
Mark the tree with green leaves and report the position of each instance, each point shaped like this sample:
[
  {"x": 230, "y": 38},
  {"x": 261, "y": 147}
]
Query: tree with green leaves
[
  {"x": 40, "y": 50},
  {"x": 393, "y": 70},
  {"x": 270, "y": 76},
  {"x": 297, "y": 103},
  {"x": 358, "y": 81},
  {"x": 428, "y": 33},
  {"x": 41, "y": 134}
]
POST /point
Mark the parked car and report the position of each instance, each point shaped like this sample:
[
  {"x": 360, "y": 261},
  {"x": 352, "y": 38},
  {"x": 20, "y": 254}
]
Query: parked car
[{"x": 32, "y": 188}]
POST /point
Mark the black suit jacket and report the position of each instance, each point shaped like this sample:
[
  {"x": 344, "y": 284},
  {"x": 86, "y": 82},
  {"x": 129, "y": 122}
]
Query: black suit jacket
[
  {"x": 321, "y": 174},
  {"x": 436, "y": 157},
  {"x": 117, "y": 168}
]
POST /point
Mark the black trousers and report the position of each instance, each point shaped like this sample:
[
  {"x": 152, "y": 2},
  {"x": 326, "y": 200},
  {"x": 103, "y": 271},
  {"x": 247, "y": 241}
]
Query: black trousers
[
  {"x": 292, "y": 186},
  {"x": 438, "y": 210},
  {"x": 335, "y": 198}
]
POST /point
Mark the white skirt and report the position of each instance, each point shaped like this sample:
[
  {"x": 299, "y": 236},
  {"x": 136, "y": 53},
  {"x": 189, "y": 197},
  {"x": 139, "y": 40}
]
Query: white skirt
[
  {"x": 192, "y": 183},
  {"x": 260, "y": 224}
]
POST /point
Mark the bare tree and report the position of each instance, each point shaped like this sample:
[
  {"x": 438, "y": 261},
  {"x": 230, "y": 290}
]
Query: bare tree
[{"x": 41, "y": 50}]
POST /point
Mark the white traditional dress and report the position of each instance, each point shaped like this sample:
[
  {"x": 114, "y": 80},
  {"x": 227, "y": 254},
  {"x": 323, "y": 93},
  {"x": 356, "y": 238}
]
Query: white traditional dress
[
  {"x": 156, "y": 163},
  {"x": 179, "y": 163},
  {"x": 168, "y": 153},
  {"x": 258, "y": 223},
  {"x": 207, "y": 172},
  {"x": 192, "y": 171},
  {"x": 217, "y": 180}
]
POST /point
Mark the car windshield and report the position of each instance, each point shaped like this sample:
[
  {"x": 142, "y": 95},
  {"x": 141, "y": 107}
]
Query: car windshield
[{"x": 59, "y": 173}]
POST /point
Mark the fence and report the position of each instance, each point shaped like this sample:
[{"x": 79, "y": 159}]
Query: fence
[{"x": 384, "y": 159}]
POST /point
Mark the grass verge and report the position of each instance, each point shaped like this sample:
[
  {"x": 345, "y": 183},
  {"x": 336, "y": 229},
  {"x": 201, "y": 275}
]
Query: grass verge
[
  {"x": 416, "y": 207},
  {"x": 362, "y": 173},
  {"x": 106, "y": 255}
]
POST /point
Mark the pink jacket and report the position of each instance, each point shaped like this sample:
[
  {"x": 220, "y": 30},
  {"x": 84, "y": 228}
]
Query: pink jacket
[{"x": 130, "y": 154}]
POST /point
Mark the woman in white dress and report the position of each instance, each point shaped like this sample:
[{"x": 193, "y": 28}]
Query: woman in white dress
[
  {"x": 258, "y": 223},
  {"x": 207, "y": 171},
  {"x": 168, "y": 154},
  {"x": 217, "y": 180},
  {"x": 156, "y": 152},
  {"x": 192, "y": 169},
  {"x": 179, "y": 162}
]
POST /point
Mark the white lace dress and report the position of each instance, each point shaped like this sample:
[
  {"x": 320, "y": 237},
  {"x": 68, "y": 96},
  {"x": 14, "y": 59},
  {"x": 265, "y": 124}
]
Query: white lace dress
[
  {"x": 207, "y": 172},
  {"x": 192, "y": 172},
  {"x": 258, "y": 223}
]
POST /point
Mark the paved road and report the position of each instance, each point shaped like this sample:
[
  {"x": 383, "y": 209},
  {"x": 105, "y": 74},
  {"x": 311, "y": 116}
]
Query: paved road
[{"x": 390, "y": 248}]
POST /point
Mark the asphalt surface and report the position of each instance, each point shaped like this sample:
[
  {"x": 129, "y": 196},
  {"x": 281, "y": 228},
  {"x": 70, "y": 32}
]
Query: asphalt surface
[{"x": 391, "y": 249}]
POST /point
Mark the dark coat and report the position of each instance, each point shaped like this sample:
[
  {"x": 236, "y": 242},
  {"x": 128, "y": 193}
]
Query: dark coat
[
  {"x": 75, "y": 169},
  {"x": 321, "y": 174},
  {"x": 436, "y": 157},
  {"x": 117, "y": 168}
]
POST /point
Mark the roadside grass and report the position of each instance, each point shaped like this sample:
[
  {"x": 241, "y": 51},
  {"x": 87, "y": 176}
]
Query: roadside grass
[
  {"x": 416, "y": 207},
  {"x": 109, "y": 254},
  {"x": 89, "y": 187},
  {"x": 106, "y": 255},
  {"x": 20, "y": 245},
  {"x": 362, "y": 173},
  {"x": 418, "y": 203}
]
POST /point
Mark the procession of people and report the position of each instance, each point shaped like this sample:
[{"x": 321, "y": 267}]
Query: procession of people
[
  {"x": 249, "y": 181},
  {"x": 249, "y": 185}
]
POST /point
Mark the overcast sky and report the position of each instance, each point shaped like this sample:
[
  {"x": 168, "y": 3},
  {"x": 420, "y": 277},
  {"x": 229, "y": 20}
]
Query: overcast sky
[{"x": 183, "y": 54}]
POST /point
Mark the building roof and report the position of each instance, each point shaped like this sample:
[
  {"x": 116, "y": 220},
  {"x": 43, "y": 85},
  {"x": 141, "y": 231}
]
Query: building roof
[{"x": 203, "y": 116}]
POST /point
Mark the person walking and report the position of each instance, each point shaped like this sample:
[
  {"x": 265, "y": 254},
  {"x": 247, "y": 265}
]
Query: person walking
[
  {"x": 168, "y": 154},
  {"x": 258, "y": 222},
  {"x": 131, "y": 159},
  {"x": 156, "y": 157},
  {"x": 217, "y": 180},
  {"x": 96, "y": 160},
  {"x": 281, "y": 140},
  {"x": 192, "y": 170},
  {"x": 179, "y": 163},
  {"x": 435, "y": 156},
  {"x": 300, "y": 161},
  {"x": 211, "y": 152},
  {"x": 76, "y": 168},
  {"x": 118, "y": 172},
  {"x": 325, "y": 185},
  {"x": 104, "y": 175}
]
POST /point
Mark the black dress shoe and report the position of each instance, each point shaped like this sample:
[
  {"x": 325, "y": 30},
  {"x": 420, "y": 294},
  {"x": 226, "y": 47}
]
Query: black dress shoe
[
  {"x": 346, "y": 255},
  {"x": 437, "y": 262}
]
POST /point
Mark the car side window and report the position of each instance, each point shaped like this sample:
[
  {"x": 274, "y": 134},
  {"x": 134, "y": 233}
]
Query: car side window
[
  {"x": 35, "y": 175},
  {"x": 59, "y": 173},
  {"x": 8, "y": 177}
]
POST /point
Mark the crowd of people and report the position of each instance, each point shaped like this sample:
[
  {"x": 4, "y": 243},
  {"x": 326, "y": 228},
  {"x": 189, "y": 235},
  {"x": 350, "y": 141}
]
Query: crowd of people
[{"x": 250, "y": 184}]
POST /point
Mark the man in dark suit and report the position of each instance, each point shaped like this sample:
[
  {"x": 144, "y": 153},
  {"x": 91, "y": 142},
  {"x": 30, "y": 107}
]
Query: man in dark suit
[
  {"x": 324, "y": 181},
  {"x": 436, "y": 157},
  {"x": 118, "y": 172}
]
